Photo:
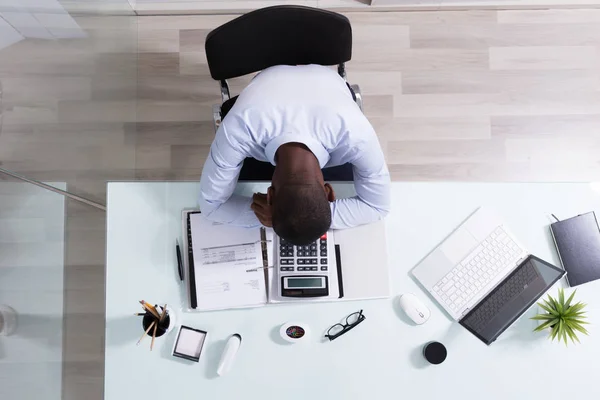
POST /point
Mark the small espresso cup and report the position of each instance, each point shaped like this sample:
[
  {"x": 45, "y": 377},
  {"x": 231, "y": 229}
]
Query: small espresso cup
[{"x": 435, "y": 352}]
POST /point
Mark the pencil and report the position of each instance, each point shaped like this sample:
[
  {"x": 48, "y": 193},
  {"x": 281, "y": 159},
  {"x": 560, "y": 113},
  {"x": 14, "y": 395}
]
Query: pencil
[
  {"x": 145, "y": 333},
  {"x": 153, "y": 336},
  {"x": 163, "y": 315},
  {"x": 139, "y": 314},
  {"x": 150, "y": 308}
]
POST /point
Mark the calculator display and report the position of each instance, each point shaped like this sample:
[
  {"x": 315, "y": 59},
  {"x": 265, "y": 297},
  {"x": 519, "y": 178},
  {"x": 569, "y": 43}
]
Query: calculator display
[{"x": 304, "y": 282}]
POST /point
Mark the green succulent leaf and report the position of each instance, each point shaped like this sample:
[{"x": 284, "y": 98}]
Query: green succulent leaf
[
  {"x": 577, "y": 326},
  {"x": 543, "y": 317},
  {"x": 570, "y": 299},
  {"x": 561, "y": 296},
  {"x": 576, "y": 307},
  {"x": 548, "y": 308},
  {"x": 554, "y": 332},
  {"x": 572, "y": 334},
  {"x": 544, "y": 325}
]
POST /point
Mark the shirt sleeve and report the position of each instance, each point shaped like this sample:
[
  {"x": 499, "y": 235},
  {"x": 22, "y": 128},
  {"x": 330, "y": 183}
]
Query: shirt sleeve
[
  {"x": 219, "y": 179},
  {"x": 372, "y": 185}
]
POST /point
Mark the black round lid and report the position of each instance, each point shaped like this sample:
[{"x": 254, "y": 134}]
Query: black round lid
[{"x": 435, "y": 352}]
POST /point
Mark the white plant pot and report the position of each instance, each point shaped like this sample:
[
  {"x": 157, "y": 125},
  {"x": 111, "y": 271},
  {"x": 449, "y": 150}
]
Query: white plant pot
[{"x": 8, "y": 320}]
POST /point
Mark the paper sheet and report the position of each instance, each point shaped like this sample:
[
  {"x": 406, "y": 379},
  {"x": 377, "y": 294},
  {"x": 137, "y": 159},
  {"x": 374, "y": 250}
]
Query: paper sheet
[
  {"x": 237, "y": 254},
  {"x": 222, "y": 254}
]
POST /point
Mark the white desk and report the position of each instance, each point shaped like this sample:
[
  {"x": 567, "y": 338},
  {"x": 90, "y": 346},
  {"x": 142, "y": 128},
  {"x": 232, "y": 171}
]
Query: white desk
[{"x": 379, "y": 359}]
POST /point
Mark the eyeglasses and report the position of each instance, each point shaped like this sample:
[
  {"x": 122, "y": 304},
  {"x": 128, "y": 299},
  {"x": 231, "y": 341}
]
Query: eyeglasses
[{"x": 352, "y": 320}]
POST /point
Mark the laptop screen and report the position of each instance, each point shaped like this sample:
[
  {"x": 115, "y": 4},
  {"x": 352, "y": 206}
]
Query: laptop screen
[{"x": 511, "y": 298}]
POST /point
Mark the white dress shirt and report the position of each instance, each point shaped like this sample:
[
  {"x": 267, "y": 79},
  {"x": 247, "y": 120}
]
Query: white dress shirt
[{"x": 308, "y": 104}]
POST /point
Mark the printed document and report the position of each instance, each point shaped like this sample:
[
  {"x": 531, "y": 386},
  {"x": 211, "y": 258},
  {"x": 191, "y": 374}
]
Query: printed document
[{"x": 222, "y": 256}]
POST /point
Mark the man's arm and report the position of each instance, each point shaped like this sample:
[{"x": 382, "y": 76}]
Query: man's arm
[
  {"x": 219, "y": 178},
  {"x": 372, "y": 184}
]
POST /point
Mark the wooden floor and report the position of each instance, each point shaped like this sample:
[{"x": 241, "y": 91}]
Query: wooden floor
[
  {"x": 481, "y": 95},
  {"x": 510, "y": 95}
]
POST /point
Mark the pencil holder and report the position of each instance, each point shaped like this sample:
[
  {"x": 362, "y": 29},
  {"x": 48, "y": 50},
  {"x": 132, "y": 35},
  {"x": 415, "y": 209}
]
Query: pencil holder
[{"x": 163, "y": 327}]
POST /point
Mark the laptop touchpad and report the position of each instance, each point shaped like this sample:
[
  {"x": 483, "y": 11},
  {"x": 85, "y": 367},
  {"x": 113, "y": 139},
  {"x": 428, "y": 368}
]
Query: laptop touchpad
[{"x": 458, "y": 245}]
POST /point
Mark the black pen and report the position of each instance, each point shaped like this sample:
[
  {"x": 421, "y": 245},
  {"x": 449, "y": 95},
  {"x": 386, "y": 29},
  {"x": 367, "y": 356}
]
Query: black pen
[{"x": 179, "y": 263}]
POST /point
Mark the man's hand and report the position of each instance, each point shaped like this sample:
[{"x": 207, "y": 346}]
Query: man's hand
[{"x": 262, "y": 209}]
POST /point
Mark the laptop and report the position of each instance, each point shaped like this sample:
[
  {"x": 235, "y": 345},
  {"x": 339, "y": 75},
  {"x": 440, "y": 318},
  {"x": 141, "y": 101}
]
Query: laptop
[{"x": 483, "y": 277}]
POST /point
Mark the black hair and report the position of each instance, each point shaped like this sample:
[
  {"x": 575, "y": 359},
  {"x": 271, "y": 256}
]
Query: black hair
[{"x": 301, "y": 213}]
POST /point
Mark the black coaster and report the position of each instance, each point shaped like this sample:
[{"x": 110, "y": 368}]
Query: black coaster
[{"x": 435, "y": 352}]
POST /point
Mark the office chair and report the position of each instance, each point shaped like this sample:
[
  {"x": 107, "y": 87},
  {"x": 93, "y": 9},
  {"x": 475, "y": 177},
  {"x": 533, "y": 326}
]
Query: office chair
[{"x": 278, "y": 35}]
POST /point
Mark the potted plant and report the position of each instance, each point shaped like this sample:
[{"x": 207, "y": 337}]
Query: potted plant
[{"x": 563, "y": 319}]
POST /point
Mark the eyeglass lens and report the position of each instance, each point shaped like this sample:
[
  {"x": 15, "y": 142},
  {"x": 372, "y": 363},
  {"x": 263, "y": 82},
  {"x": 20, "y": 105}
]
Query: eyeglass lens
[
  {"x": 335, "y": 330},
  {"x": 353, "y": 318}
]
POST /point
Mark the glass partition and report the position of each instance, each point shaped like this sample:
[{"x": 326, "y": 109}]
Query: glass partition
[
  {"x": 68, "y": 93},
  {"x": 32, "y": 261}
]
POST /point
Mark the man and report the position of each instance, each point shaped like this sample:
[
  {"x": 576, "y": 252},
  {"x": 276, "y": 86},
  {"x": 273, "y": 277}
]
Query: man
[{"x": 300, "y": 119}]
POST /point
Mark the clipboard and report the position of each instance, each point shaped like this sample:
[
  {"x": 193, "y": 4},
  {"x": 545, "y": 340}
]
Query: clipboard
[
  {"x": 352, "y": 263},
  {"x": 190, "y": 267}
]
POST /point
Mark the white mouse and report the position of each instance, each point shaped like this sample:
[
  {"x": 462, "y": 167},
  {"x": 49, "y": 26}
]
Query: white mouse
[{"x": 414, "y": 308}]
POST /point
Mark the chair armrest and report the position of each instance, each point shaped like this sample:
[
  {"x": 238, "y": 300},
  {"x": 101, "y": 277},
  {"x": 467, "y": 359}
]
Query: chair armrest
[
  {"x": 216, "y": 116},
  {"x": 358, "y": 94}
]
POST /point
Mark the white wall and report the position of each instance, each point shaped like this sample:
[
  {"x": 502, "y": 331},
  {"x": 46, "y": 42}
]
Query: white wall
[
  {"x": 35, "y": 19},
  {"x": 8, "y": 34}
]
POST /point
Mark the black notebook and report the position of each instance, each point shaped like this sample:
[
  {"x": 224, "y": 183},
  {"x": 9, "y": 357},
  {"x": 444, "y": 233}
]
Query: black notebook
[{"x": 578, "y": 243}]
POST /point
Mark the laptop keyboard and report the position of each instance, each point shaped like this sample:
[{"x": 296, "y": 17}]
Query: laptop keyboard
[
  {"x": 512, "y": 287},
  {"x": 478, "y": 269}
]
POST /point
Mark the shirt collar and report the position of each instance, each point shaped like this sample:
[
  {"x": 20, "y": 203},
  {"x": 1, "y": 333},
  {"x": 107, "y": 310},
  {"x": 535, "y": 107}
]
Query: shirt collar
[{"x": 313, "y": 145}]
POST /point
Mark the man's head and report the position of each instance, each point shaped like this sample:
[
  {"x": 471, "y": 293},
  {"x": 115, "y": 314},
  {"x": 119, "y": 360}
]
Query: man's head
[
  {"x": 299, "y": 197},
  {"x": 301, "y": 211}
]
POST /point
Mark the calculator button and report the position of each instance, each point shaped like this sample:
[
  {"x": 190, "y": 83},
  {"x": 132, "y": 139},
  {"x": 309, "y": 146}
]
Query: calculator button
[
  {"x": 324, "y": 261},
  {"x": 323, "y": 247},
  {"x": 313, "y": 246},
  {"x": 283, "y": 262},
  {"x": 324, "y": 237},
  {"x": 290, "y": 254},
  {"x": 313, "y": 253},
  {"x": 283, "y": 269},
  {"x": 301, "y": 268},
  {"x": 282, "y": 253},
  {"x": 300, "y": 253},
  {"x": 313, "y": 268},
  {"x": 323, "y": 268},
  {"x": 300, "y": 261},
  {"x": 290, "y": 261},
  {"x": 313, "y": 260},
  {"x": 323, "y": 253}
]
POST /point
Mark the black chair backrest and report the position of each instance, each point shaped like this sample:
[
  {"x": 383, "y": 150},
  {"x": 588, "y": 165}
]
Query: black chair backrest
[{"x": 278, "y": 35}]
